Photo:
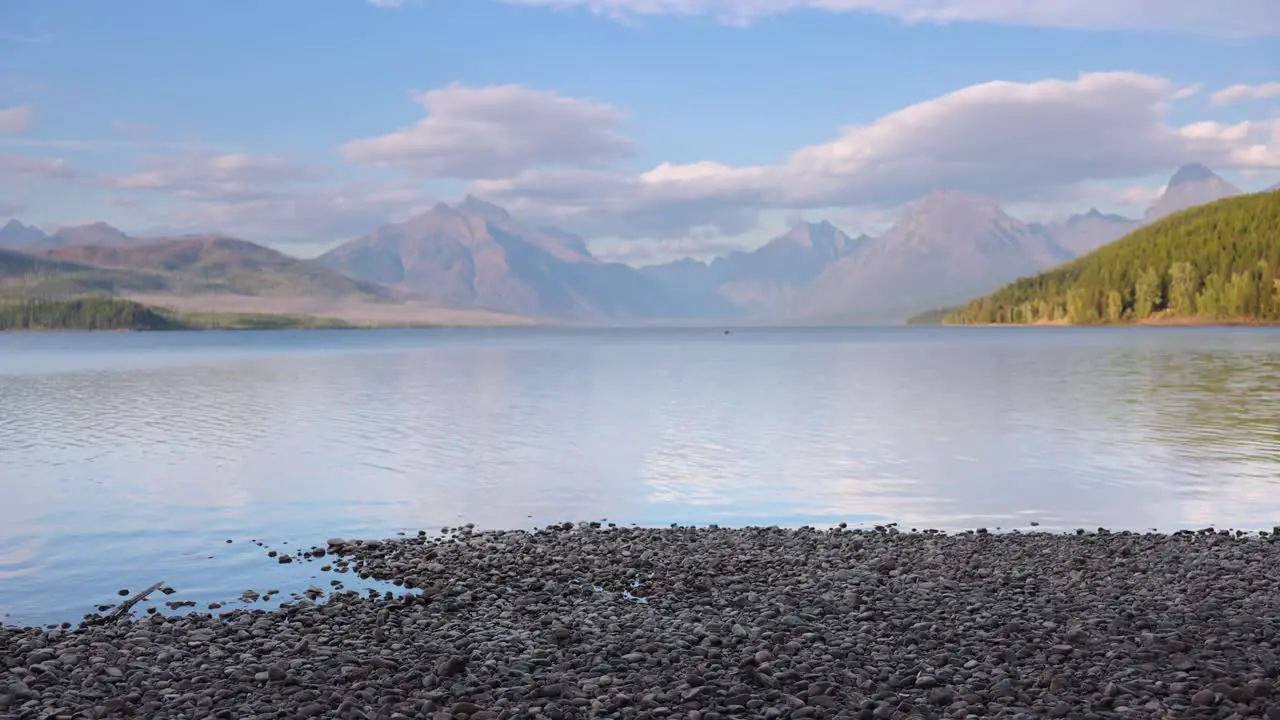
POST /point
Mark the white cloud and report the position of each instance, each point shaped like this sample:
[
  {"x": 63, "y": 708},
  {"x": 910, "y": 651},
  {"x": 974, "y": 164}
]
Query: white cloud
[
  {"x": 15, "y": 119},
  {"x": 1139, "y": 195},
  {"x": 215, "y": 176},
  {"x": 26, "y": 167},
  {"x": 1015, "y": 141},
  {"x": 315, "y": 215},
  {"x": 615, "y": 203},
  {"x": 1002, "y": 138},
  {"x": 498, "y": 131},
  {"x": 1245, "y": 93},
  {"x": 1248, "y": 145},
  {"x": 1233, "y": 18},
  {"x": 259, "y": 198},
  {"x": 651, "y": 251},
  {"x": 560, "y": 160}
]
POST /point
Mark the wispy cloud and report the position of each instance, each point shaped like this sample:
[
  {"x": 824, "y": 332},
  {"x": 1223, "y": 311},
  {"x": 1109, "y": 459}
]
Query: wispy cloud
[
  {"x": 98, "y": 145},
  {"x": 1020, "y": 142},
  {"x": 1245, "y": 93},
  {"x": 1229, "y": 18},
  {"x": 16, "y": 167},
  {"x": 15, "y": 119},
  {"x": 26, "y": 39}
]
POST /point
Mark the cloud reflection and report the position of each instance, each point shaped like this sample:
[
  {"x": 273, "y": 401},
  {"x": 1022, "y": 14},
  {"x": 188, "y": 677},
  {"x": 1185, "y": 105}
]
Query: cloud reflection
[{"x": 144, "y": 464}]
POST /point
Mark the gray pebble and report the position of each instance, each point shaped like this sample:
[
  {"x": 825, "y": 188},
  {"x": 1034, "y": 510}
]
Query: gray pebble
[{"x": 752, "y": 623}]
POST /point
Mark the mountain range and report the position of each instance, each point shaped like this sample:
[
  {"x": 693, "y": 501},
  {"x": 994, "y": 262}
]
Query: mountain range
[
  {"x": 205, "y": 264},
  {"x": 16, "y": 236},
  {"x": 475, "y": 254},
  {"x": 945, "y": 249}
]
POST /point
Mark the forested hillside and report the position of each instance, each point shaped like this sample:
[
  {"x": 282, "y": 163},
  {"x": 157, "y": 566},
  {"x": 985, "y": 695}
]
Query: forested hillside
[{"x": 1215, "y": 262}]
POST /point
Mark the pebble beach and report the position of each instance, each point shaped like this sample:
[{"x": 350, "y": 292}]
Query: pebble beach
[{"x": 590, "y": 621}]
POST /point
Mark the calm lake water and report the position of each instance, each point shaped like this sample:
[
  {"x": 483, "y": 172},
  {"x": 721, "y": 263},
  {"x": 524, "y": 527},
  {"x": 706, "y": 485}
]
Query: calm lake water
[{"x": 126, "y": 459}]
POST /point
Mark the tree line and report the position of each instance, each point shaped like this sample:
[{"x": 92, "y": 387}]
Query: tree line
[
  {"x": 1215, "y": 262},
  {"x": 80, "y": 314}
]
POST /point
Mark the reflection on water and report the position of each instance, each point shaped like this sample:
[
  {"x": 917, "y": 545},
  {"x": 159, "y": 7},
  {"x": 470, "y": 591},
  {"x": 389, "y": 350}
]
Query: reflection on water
[{"x": 130, "y": 458}]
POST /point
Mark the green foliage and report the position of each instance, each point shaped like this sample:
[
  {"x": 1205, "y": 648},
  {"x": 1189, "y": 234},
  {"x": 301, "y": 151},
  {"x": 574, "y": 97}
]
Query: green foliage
[
  {"x": 1115, "y": 306},
  {"x": 80, "y": 314},
  {"x": 255, "y": 321},
  {"x": 1184, "y": 284},
  {"x": 1219, "y": 261},
  {"x": 1147, "y": 293},
  {"x": 117, "y": 314}
]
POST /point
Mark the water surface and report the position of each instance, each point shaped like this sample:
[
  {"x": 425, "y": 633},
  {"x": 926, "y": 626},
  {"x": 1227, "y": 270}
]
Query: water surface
[{"x": 131, "y": 458}]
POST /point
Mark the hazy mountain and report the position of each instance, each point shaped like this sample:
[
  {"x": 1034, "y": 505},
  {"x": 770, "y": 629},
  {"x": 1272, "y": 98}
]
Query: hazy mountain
[
  {"x": 218, "y": 264},
  {"x": 98, "y": 233},
  {"x": 1082, "y": 234},
  {"x": 766, "y": 280},
  {"x": 15, "y": 264},
  {"x": 796, "y": 257},
  {"x": 763, "y": 281},
  {"x": 23, "y": 273},
  {"x": 1193, "y": 184},
  {"x": 475, "y": 254},
  {"x": 16, "y": 235},
  {"x": 691, "y": 285},
  {"x": 946, "y": 249}
]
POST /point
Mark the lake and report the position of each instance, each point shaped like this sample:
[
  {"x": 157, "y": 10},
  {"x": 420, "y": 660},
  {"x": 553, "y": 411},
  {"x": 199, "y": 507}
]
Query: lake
[{"x": 131, "y": 458}]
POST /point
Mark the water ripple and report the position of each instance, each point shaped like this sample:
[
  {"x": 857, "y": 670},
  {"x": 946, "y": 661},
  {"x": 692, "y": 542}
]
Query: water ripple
[{"x": 126, "y": 458}]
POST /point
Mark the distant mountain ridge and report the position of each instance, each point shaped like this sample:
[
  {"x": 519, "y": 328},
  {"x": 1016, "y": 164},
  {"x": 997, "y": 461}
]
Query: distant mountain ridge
[
  {"x": 1193, "y": 184},
  {"x": 944, "y": 250},
  {"x": 96, "y": 233},
  {"x": 14, "y": 235},
  {"x": 1084, "y": 233},
  {"x": 208, "y": 264},
  {"x": 766, "y": 280},
  {"x": 474, "y": 254},
  {"x": 217, "y": 263}
]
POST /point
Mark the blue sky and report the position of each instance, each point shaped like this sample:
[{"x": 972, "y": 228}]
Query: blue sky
[{"x": 121, "y": 111}]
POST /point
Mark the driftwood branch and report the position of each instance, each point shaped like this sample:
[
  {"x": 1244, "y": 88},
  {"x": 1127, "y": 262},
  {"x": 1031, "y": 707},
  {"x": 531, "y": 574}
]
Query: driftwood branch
[{"x": 124, "y": 607}]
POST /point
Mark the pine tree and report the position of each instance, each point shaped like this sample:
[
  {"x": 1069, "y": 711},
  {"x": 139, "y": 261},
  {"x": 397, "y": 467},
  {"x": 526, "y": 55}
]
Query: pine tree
[
  {"x": 1115, "y": 306},
  {"x": 1184, "y": 285},
  {"x": 1146, "y": 296},
  {"x": 1234, "y": 244}
]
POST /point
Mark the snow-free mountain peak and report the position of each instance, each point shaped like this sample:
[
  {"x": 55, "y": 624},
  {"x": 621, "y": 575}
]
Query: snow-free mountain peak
[{"x": 1191, "y": 185}]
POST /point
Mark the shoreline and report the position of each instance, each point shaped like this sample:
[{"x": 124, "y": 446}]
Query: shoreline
[
  {"x": 577, "y": 621},
  {"x": 1150, "y": 322},
  {"x": 143, "y": 313}
]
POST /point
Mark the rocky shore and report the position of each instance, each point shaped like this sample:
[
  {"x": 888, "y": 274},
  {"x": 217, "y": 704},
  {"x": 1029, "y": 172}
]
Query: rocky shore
[{"x": 705, "y": 624}]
